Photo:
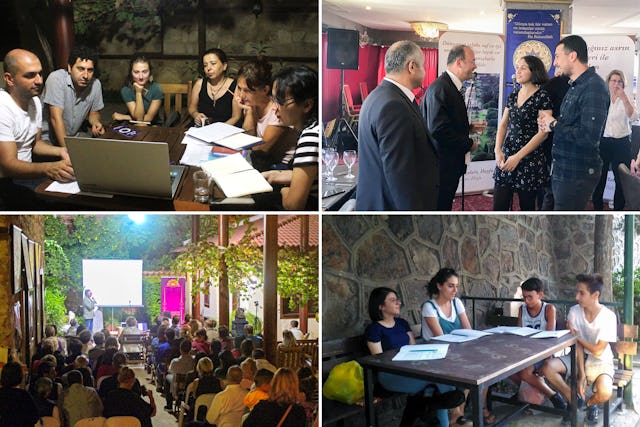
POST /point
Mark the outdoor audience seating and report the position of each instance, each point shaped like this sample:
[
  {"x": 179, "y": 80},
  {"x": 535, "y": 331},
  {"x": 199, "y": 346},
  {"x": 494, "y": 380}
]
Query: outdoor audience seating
[
  {"x": 47, "y": 422},
  {"x": 625, "y": 346},
  {"x": 175, "y": 91},
  {"x": 91, "y": 422},
  {"x": 179, "y": 391},
  {"x": 122, "y": 422},
  {"x": 305, "y": 353}
]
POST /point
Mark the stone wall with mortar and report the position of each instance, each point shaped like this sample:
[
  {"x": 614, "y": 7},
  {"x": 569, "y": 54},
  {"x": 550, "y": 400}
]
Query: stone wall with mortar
[
  {"x": 492, "y": 254},
  {"x": 289, "y": 30}
]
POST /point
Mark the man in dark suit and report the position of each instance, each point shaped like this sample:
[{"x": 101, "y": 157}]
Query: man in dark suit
[
  {"x": 445, "y": 112},
  {"x": 398, "y": 167}
]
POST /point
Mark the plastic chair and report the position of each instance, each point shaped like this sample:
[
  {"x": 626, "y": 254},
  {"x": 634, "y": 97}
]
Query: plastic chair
[
  {"x": 364, "y": 90},
  {"x": 91, "y": 422},
  {"x": 47, "y": 422},
  {"x": 203, "y": 400},
  {"x": 122, "y": 422},
  {"x": 177, "y": 90}
]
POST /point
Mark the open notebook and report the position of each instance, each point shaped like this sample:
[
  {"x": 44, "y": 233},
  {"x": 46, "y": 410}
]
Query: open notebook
[{"x": 235, "y": 176}]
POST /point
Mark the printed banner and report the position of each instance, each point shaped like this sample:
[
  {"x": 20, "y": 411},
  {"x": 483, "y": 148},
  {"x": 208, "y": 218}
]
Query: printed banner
[
  {"x": 172, "y": 295},
  {"x": 483, "y": 100},
  {"x": 530, "y": 32}
]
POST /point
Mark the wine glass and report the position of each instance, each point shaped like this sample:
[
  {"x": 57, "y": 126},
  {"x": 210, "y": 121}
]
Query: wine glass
[
  {"x": 332, "y": 162},
  {"x": 325, "y": 160},
  {"x": 349, "y": 157}
]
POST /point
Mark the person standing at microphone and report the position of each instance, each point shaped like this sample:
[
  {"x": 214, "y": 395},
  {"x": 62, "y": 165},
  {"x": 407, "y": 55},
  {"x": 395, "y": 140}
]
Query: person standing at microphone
[
  {"x": 444, "y": 110},
  {"x": 89, "y": 306}
]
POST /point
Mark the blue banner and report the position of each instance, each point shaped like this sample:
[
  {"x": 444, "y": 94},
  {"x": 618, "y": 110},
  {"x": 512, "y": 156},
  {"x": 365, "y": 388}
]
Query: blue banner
[{"x": 530, "y": 32}]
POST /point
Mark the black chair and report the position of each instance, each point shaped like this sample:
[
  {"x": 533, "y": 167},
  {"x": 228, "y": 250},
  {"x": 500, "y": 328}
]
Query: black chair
[{"x": 630, "y": 187}]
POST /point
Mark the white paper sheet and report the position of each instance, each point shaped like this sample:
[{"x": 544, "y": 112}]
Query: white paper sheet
[
  {"x": 64, "y": 187},
  {"x": 214, "y": 131},
  {"x": 422, "y": 352},
  {"x": 195, "y": 154},
  {"x": 513, "y": 330},
  {"x": 551, "y": 334}
]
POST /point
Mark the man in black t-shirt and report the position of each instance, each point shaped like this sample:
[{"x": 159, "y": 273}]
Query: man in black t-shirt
[{"x": 125, "y": 402}]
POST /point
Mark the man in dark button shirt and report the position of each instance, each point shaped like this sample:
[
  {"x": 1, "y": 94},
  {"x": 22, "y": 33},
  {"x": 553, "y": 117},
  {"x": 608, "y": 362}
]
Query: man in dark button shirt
[
  {"x": 124, "y": 402},
  {"x": 576, "y": 157}
]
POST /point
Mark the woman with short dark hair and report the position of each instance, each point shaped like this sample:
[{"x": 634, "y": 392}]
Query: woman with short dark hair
[{"x": 295, "y": 101}]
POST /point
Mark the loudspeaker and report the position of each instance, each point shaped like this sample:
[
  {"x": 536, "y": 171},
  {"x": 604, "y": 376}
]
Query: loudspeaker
[{"x": 342, "y": 49}]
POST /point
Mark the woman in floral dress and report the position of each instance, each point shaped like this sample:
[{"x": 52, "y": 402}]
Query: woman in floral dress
[{"x": 520, "y": 163}]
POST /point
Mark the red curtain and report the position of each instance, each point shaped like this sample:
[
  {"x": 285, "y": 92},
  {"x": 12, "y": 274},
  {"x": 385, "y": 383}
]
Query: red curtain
[
  {"x": 370, "y": 70},
  {"x": 430, "y": 67}
]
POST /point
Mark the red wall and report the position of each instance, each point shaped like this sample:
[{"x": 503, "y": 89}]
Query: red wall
[{"x": 367, "y": 72}]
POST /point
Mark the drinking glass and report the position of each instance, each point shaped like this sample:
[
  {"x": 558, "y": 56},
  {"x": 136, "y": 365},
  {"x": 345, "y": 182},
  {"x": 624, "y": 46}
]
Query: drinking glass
[
  {"x": 332, "y": 162},
  {"x": 326, "y": 153},
  {"x": 201, "y": 186},
  {"x": 349, "y": 157}
]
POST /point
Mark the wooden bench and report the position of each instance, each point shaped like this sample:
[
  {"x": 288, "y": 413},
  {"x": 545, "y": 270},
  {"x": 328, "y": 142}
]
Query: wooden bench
[
  {"x": 304, "y": 353},
  {"x": 340, "y": 414},
  {"x": 625, "y": 346}
]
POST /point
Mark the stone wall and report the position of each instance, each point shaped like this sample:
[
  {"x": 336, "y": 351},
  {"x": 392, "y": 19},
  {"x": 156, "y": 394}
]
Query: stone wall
[
  {"x": 286, "y": 29},
  {"x": 33, "y": 227},
  {"x": 493, "y": 254}
]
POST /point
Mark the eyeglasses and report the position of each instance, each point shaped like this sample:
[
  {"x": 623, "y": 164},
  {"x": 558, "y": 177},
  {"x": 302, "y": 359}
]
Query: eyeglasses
[
  {"x": 282, "y": 102},
  {"x": 395, "y": 301}
]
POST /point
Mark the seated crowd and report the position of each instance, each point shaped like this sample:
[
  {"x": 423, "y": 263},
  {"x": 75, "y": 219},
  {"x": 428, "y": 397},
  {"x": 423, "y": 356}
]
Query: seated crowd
[
  {"x": 35, "y": 117},
  {"x": 81, "y": 376}
]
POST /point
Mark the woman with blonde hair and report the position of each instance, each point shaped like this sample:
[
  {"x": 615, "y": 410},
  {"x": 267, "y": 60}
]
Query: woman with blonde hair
[
  {"x": 281, "y": 408},
  {"x": 288, "y": 340},
  {"x": 615, "y": 144}
]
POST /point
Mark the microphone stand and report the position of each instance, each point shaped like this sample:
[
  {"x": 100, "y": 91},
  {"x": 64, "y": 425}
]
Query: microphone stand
[{"x": 468, "y": 102}]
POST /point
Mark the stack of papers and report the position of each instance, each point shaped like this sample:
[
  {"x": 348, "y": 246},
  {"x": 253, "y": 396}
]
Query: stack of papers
[
  {"x": 422, "y": 352},
  {"x": 461, "y": 335},
  {"x": 236, "y": 177},
  {"x": 551, "y": 334},
  {"x": 200, "y": 140},
  {"x": 513, "y": 330}
]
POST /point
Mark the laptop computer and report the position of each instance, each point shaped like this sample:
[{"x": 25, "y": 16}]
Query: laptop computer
[{"x": 133, "y": 168}]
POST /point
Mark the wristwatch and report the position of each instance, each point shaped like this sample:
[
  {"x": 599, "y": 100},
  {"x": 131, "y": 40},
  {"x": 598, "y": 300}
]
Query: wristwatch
[{"x": 553, "y": 124}]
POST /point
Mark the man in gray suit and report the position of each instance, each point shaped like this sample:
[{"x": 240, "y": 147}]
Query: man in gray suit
[
  {"x": 398, "y": 167},
  {"x": 88, "y": 305}
]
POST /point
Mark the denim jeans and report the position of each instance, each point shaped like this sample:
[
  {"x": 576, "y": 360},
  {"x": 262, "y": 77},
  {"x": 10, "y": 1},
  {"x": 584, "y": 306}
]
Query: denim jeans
[
  {"x": 573, "y": 195},
  {"x": 401, "y": 384}
]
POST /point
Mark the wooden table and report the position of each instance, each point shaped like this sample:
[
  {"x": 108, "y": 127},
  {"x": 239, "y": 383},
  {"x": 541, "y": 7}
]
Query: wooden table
[
  {"x": 473, "y": 365},
  {"x": 346, "y": 187},
  {"x": 183, "y": 200}
]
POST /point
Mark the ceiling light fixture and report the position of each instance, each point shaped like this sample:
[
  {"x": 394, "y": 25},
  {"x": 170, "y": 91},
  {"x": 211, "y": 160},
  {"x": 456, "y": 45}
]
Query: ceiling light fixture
[{"x": 428, "y": 29}]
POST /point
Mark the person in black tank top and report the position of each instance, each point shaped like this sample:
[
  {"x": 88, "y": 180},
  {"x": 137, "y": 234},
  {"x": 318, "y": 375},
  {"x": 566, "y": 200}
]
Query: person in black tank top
[{"x": 212, "y": 98}]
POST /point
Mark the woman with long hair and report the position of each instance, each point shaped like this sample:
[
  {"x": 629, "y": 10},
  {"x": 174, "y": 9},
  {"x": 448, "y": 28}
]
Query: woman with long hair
[
  {"x": 140, "y": 93},
  {"x": 520, "y": 163},
  {"x": 282, "y": 406},
  {"x": 212, "y": 97},
  {"x": 260, "y": 119}
]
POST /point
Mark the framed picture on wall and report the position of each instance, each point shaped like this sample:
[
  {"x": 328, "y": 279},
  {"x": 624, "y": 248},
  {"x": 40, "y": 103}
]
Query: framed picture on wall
[
  {"x": 16, "y": 256},
  {"x": 32, "y": 264},
  {"x": 28, "y": 271}
]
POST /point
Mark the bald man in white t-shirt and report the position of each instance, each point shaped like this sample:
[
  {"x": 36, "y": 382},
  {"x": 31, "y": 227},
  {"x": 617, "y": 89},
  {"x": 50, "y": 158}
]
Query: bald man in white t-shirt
[{"x": 20, "y": 133}]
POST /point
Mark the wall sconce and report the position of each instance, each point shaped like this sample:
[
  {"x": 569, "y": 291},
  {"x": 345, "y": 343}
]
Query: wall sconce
[{"x": 428, "y": 29}]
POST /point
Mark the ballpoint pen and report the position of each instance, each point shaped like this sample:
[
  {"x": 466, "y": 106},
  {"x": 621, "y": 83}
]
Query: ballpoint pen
[{"x": 422, "y": 351}]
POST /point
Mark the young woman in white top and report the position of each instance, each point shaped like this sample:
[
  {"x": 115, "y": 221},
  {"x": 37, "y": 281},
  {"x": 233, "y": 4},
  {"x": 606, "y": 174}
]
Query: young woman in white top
[{"x": 443, "y": 313}]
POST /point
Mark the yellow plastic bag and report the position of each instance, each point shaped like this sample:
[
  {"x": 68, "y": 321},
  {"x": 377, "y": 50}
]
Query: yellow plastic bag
[{"x": 345, "y": 383}]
